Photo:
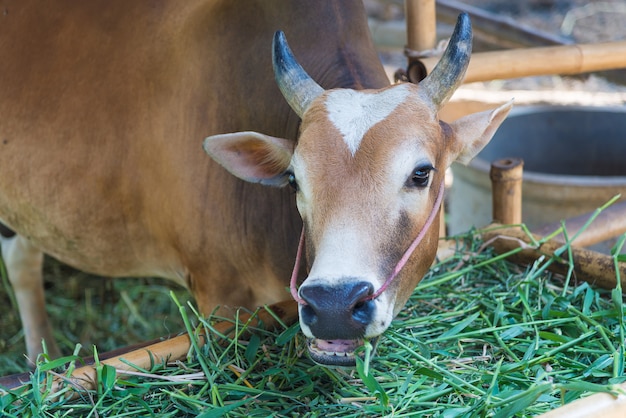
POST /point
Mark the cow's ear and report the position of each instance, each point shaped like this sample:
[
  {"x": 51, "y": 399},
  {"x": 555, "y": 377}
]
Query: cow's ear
[
  {"x": 251, "y": 156},
  {"x": 475, "y": 131}
]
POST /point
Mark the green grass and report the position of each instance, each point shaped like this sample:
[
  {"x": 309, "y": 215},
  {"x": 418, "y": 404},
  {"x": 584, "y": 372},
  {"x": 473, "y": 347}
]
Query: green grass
[
  {"x": 479, "y": 337},
  {"x": 88, "y": 309}
]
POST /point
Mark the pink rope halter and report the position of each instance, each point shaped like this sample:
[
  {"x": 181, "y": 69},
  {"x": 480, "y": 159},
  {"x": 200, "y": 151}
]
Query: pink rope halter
[{"x": 401, "y": 263}]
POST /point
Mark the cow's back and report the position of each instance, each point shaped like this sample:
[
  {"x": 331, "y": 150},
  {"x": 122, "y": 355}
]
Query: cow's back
[{"x": 104, "y": 105}]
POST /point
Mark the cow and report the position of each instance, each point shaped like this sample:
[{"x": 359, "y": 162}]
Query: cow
[{"x": 104, "y": 111}]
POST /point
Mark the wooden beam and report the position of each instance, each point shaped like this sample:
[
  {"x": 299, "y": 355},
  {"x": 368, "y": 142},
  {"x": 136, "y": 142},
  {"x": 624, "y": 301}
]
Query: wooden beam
[{"x": 569, "y": 59}]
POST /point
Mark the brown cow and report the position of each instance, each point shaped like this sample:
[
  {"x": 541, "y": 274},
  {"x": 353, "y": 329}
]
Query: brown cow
[{"x": 104, "y": 106}]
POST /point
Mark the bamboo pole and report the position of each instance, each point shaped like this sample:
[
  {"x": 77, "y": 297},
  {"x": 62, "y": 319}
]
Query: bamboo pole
[
  {"x": 506, "y": 187},
  {"x": 590, "y": 266},
  {"x": 177, "y": 348},
  {"x": 610, "y": 223},
  {"x": 568, "y": 59},
  {"x": 421, "y": 33}
]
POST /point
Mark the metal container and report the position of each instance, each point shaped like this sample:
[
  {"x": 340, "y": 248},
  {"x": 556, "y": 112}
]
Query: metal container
[{"x": 574, "y": 162}]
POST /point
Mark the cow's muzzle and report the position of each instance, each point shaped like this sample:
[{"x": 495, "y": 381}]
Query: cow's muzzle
[{"x": 337, "y": 316}]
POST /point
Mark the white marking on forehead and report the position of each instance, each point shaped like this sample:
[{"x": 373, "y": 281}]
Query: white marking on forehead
[{"x": 353, "y": 113}]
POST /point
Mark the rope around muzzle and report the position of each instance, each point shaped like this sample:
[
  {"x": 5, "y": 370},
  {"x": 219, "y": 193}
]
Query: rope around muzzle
[{"x": 401, "y": 263}]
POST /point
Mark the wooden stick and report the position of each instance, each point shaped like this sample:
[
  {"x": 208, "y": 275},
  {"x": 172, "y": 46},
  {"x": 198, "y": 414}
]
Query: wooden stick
[
  {"x": 590, "y": 266},
  {"x": 569, "y": 59},
  {"x": 177, "y": 348},
  {"x": 610, "y": 223},
  {"x": 506, "y": 187},
  {"x": 602, "y": 405}
]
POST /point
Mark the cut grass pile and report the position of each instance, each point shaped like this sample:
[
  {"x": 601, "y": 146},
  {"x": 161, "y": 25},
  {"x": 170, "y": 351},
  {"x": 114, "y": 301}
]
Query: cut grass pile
[{"x": 479, "y": 337}]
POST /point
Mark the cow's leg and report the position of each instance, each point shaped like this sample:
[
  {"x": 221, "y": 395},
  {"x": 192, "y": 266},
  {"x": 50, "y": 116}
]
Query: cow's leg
[{"x": 24, "y": 265}]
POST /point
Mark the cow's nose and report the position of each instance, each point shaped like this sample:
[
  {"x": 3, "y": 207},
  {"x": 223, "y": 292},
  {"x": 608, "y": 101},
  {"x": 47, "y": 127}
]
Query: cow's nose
[{"x": 337, "y": 312}]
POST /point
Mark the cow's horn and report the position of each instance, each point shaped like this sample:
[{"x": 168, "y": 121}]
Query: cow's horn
[
  {"x": 449, "y": 72},
  {"x": 296, "y": 85}
]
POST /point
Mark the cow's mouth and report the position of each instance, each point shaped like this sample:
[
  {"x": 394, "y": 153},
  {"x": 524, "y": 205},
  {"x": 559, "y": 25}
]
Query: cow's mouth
[{"x": 336, "y": 352}]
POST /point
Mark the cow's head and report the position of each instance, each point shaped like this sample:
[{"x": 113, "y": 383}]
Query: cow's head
[{"x": 367, "y": 170}]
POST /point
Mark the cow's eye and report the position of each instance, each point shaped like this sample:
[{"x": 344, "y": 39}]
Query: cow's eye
[
  {"x": 420, "y": 176},
  {"x": 291, "y": 178}
]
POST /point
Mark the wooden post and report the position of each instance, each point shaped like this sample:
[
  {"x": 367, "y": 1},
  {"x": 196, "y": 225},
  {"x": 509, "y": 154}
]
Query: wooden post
[
  {"x": 421, "y": 35},
  {"x": 421, "y": 24},
  {"x": 506, "y": 187}
]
